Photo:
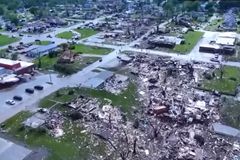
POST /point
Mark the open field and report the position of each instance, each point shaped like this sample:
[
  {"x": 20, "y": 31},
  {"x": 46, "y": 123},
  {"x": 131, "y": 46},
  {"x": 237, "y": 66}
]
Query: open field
[
  {"x": 85, "y": 33},
  {"x": 229, "y": 82},
  {"x": 5, "y": 40},
  {"x": 65, "y": 35},
  {"x": 191, "y": 39},
  {"x": 84, "y": 49},
  {"x": 48, "y": 63}
]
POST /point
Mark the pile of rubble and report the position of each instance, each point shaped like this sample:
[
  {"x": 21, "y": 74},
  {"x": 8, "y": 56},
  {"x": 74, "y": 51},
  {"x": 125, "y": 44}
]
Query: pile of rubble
[
  {"x": 54, "y": 124},
  {"x": 175, "y": 117},
  {"x": 46, "y": 120},
  {"x": 173, "y": 121},
  {"x": 116, "y": 84}
]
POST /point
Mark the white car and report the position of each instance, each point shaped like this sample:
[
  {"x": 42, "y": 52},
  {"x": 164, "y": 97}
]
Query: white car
[{"x": 10, "y": 102}]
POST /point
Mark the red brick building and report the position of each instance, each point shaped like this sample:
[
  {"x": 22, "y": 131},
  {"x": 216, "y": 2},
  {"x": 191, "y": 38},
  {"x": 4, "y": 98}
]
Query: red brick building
[{"x": 18, "y": 67}]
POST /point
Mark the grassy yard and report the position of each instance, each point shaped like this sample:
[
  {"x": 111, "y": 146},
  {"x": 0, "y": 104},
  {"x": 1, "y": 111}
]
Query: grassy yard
[
  {"x": 83, "y": 49},
  {"x": 74, "y": 145},
  {"x": 86, "y": 32},
  {"x": 48, "y": 63},
  {"x": 191, "y": 39},
  {"x": 229, "y": 82},
  {"x": 230, "y": 112},
  {"x": 125, "y": 100},
  {"x": 42, "y": 43},
  {"x": 5, "y": 40},
  {"x": 65, "y": 35},
  {"x": 213, "y": 26}
]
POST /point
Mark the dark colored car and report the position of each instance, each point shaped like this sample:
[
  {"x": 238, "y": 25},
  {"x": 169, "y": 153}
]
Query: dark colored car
[
  {"x": 17, "y": 98},
  {"x": 38, "y": 87},
  {"x": 29, "y": 90}
]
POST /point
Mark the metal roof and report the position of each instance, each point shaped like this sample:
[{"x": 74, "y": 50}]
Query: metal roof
[
  {"x": 43, "y": 49},
  {"x": 226, "y": 130},
  {"x": 98, "y": 79}
]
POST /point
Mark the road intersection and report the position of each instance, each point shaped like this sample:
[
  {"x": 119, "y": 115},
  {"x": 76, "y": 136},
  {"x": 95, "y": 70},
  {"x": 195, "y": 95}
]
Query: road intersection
[{"x": 31, "y": 101}]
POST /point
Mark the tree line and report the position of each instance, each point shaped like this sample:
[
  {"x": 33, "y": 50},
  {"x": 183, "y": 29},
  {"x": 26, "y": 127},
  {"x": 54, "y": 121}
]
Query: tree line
[{"x": 8, "y": 8}]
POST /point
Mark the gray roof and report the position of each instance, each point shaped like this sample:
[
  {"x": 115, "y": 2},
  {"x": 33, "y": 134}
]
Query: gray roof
[
  {"x": 226, "y": 130},
  {"x": 36, "y": 120},
  {"x": 43, "y": 49},
  {"x": 98, "y": 79}
]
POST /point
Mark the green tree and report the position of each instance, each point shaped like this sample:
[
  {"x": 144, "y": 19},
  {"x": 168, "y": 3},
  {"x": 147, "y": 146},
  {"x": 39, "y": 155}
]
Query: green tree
[
  {"x": 168, "y": 7},
  {"x": 210, "y": 7},
  {"x": 191, "y": 5},
  {"x": 13, "y": 18},
  {"x": 14, "y": 56},
  {"x": 33, "y": 10},
  {"x": 2, "y": 11}
]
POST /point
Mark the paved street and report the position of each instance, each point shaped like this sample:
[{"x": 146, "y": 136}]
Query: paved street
[
  {"x": 11, "y": 151},
  {"x": 30, "y": 101}
]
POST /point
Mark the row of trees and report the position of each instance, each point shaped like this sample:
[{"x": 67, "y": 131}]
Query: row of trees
[
  {"x": 173, "y": 6},
  {"x": 37, "y": 7}
]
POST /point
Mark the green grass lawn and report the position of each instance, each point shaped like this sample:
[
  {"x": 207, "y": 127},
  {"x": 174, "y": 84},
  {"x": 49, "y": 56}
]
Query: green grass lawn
[
  {"x": 126, "y": 100},
  {"x": 230, "y": 112},
  {"x": 214, "y": 25},
  {"x": 42, "y": 43},
  {"x": 81, "y": 48},
  {"x": 74, "y": 145},
  {"x": 48, "y": 63},
  {"x": 229, "y": 82},
  {"x": 65, "y": 35},
  {"x": 191, "y": 39},
  {"x": 5, "y": 40},
  {"x": 86, "y": 32}
]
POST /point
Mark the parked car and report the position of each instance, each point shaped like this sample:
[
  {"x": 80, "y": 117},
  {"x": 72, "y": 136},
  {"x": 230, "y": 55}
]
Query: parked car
[
  {"x": 214, "y": 60},
  {"x": 10, "y": 102},
  {"x": 43, "y": 110},
  {"x": 38, "y": 87},
  {"x": 17, "y": 98},
  {"x": 29, "y": 90}
]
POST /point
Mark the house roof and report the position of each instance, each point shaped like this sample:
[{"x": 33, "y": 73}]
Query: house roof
[
  {"x": 226, "y": 130},
  {"x": 98, "y": 79},
  {"x": 8, "y": 62},
  {"x": 225, "y": 41},
  {"x": 42, "y": 49}
]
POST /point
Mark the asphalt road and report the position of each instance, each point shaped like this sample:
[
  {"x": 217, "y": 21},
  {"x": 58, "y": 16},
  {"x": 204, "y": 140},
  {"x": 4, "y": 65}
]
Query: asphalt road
[{"x": 31, "y": 101}]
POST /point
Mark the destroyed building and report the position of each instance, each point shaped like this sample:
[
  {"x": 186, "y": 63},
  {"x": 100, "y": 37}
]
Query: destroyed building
[
  {"x": 165, "y": 41},
  {"x": 172, "y": 121}
]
